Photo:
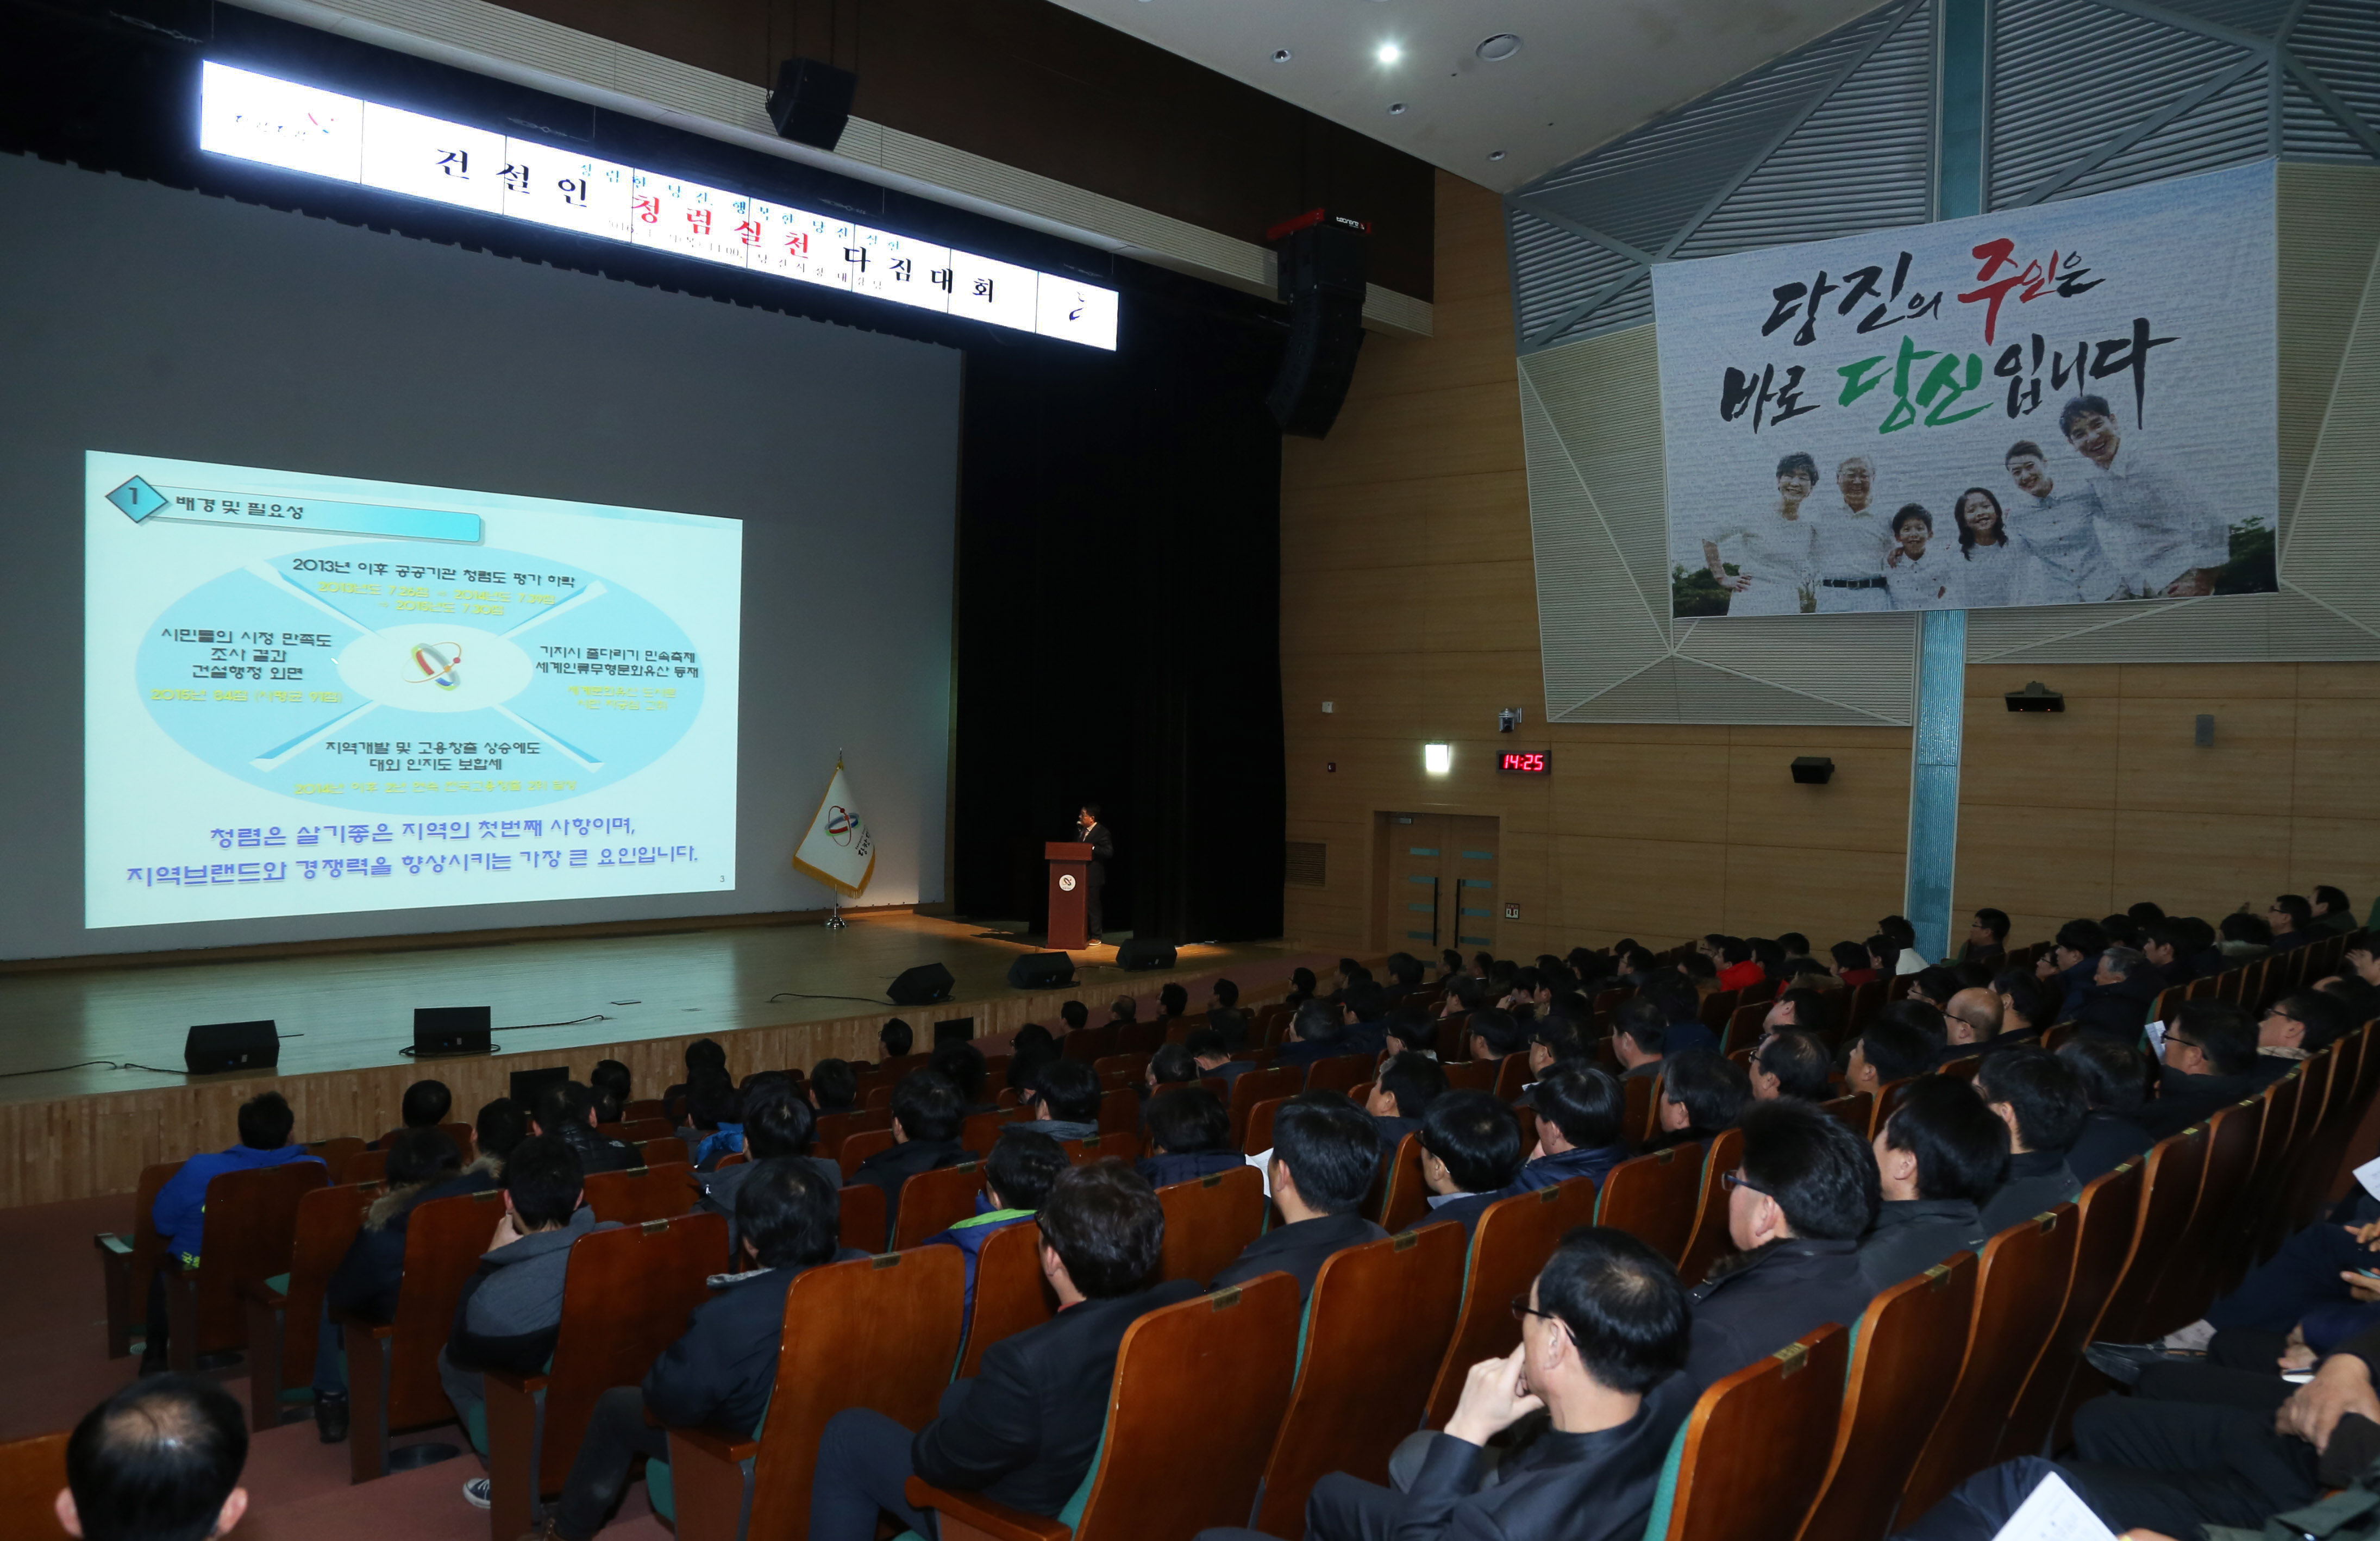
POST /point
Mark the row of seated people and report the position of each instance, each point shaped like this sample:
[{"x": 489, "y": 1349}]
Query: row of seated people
[{"x": 1464, "y": 1155}]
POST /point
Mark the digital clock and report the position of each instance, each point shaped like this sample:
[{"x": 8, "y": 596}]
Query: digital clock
[{"x": 1525, "y": 763}]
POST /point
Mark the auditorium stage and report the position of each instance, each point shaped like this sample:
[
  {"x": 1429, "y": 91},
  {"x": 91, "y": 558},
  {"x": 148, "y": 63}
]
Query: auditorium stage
[{"x": 776, "y": 996}]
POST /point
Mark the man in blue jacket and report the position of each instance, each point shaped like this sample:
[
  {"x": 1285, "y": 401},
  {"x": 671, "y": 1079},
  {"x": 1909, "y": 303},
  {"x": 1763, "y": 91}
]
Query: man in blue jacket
[
  {"x": 180, "y": 1212},
  {"x": 1016, "y": 1184}
]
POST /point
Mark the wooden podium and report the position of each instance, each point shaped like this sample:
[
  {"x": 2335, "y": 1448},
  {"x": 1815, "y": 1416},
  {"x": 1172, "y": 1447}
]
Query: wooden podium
[{"x": 1070, "y": 885}]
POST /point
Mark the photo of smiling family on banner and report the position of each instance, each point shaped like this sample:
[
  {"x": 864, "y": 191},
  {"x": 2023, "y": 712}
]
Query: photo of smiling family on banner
[{"x": 2068, "y": 403}]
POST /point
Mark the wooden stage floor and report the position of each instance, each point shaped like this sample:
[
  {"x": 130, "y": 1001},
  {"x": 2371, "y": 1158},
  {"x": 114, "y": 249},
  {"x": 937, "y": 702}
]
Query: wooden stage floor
[
  {"x": 775, "y": 996},
  {"x": 355, "y": 1010}
]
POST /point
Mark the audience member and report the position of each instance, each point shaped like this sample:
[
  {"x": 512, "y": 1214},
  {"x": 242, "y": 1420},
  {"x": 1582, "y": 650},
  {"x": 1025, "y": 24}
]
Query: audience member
[
  {"x": 778, "y": 1125},
  {"x": 1701, "y": 1094},
  {"x": 2333, "y": 916},
  {"x": 1892, "y": 1048},
  {"x": 1792, "y": 1063},
  {"x": 1934, "y": 985},
  {"x": 2040, "y": 1098},
  {"x": 701, "y": 1054},
  {"x": 1492, "y": 1033},
  {"x": 834, "y": 1086},
  {"x": 714, "y": 1115},
  {"x": 1317, "y": 1032},
  {"x": 1172, "y": 1001},
  {"x": 1065, "y": 1102},
  {"x": 1603, "y": 1324},
  {"x": 2210, "y": 1053},
  {"x": 1224, "y": 1016},
  {"x": 1581, "y": 1112},
  {"x": 1410, "y": 1030},
  {"x": 179, "y": 1213},
  {"x": 1072, "y": 1017},
  {"x": 1470, "y": 1153},
  {"x": 1797, "y": 1205},
  {"x": 1853, "y": 965},
  {"x": 2293, "y": 1028},
  {"x": 2115, "y": 1079},
  {"x": 1325, "y": 1155},
  {"x": 1971, "y": 1019},
  {"x": 422, "y": 1164},
  {"x": 424, "y": 1106},
  {"x": 1800, "y": 1007},
  {"x": 2291, "y": 919},
  {"x": 723, "y": 1367},
  {"x": 1940, "y": 1157},
  {"x": 1409, "y": 1083},
  {"x": 1212, "y": 1056},
  {"x": 566, "y": 1110},
  {"x": 896, "y": 1037},
  {"x": 1986, "y": 938},
  {"x": 2070, "y": 966},
  {"x": 1189, "y": 1137},
  {"x": 1682, "y": 1012},
  {"x": 961, "y": 1063},
  {"x": 1903, "y": 937},
  {"x": 1171, "y": 1066},
  {"x": 1023, "y": 1431},
  {"x": 1017, "y": 1181},
  {"x": 927, "y": 1116},
  {"x": 1739, "y": 969},
  {"x": 1639, "y": 1035},
  {"x": 2025, "y": 1006},
  {"x": 510, "y": 1313},
  {"x": 158, "y": 1461},
  {"x": 611, "y": 1077},
  {"x": 2244, "y": 938},
  {"x": 2117, "y": 999}
]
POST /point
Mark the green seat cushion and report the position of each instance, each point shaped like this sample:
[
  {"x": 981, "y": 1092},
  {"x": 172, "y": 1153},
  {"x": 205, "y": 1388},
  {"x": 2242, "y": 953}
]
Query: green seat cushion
[
  {"x": 278, "y": 1283},
  {"x": 1665, "y": 1496},
  {"x": 658, "y": 1491},
  {"x": 1070, "y": 1516}
]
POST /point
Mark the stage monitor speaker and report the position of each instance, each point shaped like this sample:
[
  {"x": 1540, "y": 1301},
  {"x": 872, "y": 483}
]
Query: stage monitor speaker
[
  {"x": 1321, "y": 271},
  {"x": 1146, "y": 953},
  {"x": 921, "y": 986},
  {"x": 1041, "y": 971},
  {"x": 216, "y": 1047},
  {"x": 957, "y": 1029},
  {"x": 812, "y": 102},
  {"x": 441, "y": 1032}
]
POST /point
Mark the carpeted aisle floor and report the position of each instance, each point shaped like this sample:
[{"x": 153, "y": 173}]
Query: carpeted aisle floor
[{"x": 54, "y": 1369}]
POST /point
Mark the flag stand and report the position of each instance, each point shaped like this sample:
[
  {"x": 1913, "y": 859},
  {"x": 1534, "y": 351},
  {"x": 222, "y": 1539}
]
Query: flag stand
[{"x": 834, "y": 920}]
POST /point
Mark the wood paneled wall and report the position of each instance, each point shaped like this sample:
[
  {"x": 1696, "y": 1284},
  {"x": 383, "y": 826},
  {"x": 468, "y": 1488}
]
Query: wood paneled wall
[{"x": 1409, "y": 601}]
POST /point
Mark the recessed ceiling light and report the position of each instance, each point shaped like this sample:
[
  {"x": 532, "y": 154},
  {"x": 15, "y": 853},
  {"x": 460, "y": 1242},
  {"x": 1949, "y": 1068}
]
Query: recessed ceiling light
[
  {"x": 1281, "y": 55},
  {"x": 1502, "y": 46},
  {"x": 1396, "y": 109},
  {"x": 1494, "y": 154},
  {"x": 1390, "y": 53}
]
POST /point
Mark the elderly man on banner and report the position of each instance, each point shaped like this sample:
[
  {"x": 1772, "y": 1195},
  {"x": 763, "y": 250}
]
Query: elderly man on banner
[{"x": 839, "y": 850}]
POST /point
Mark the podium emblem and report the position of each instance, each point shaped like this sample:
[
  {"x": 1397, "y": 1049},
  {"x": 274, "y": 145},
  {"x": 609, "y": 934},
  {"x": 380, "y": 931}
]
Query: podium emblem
[{"x": 1066, "y": 882}]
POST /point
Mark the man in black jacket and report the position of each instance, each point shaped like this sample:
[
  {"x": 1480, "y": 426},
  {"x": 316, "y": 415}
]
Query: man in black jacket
[
  {"x": 721, "y": 1372},
  {"x": 2210, "y": 1054},
  {"x": 1939, "y": 1156},
  {"x": 510, "y": 1313},
  {"x": 1325, "y": 1154},
  {"x": 2116, "y": 1000},
  {"x": 2115, "y": 1087},
  {"x": 927, "y": 1118},
  {"x": 2040, "y": 1099},
  {"x": 1603, "y": 1323},
  {"x": 1471, "y": 1155},
  {"x": 566, "y": 1110},
  {"x": 777, "y": 1122},
  {"x": 1795, "y": 1211},
  {"x": 1023, "y": 1431}
]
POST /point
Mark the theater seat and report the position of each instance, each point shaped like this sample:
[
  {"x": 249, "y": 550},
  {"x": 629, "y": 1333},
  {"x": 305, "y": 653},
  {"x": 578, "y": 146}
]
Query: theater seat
[
  {"x": 1188, "y": 1429},
  {"x": 1905, "y": 1356},
  {"x": 933, "y": 1202},
  {"x": 1748, "y": 1461},
  {"x": 859, "y": 1216},
  {"x": 127, "y": 1263},
  {"x": 31, "y": 1472},
  {"x": 284, "y": 1311},
  {"x": 251, "y": 1230},
  {"x": 2108, "y": 1214},
  {"x": 1210, "y": 1221},
  {"x": 1653, "y": 1198},
  {"x": 1011, "y": 1294},
  {"x": 1710, "y": 1241},
  {"x": 642, "y": 1194},
  {"x": 1512, "y": 1241},
  {"x": 393, "y": 1384}
]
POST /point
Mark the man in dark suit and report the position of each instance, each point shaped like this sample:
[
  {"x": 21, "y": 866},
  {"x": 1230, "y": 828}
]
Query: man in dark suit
[
  {"x": 1470, "y": 1153},
  {"x": 1324, "y": 1156},
  {"x": 1408, "y": 1084},
  {"x": 1022, "y": 1433},
  {"x": 2210, "y": 1060},
  {"x": 1317, "y": 1032},
  {"x": 1579, "y": 1109},
  {"x": 1213, "y": 1058},
  {"x": 1091, "y": 832},
  {"x": 1602, "y": 1325},
  {"x": 927, "y": 1116},
  {"x": 1796, "y": 1206}
]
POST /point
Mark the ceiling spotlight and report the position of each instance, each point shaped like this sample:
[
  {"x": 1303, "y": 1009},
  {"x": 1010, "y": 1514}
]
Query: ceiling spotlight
[
  {"x": 1502, "y": 46},
  {"x": 1390, "y": 53},
  {"x": 1396, "y": 109},
  {"x": 1281, "y": 55}
]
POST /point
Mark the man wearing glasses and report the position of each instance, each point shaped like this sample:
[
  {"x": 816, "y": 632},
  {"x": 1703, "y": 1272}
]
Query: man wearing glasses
[
  {"x": 2210, "y": 1051},
  {"x": 1601, "y": 1326}
]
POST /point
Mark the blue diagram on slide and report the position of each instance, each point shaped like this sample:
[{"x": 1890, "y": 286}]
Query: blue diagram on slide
[{"x": 363, "y": 675}]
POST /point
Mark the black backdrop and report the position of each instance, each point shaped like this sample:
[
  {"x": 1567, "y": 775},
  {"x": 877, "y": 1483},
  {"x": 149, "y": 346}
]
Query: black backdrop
[{"x": 1118, "y": 572}]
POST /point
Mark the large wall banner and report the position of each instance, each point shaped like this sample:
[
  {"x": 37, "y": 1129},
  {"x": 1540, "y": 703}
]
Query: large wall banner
[{"x": 2067, "y": 403}]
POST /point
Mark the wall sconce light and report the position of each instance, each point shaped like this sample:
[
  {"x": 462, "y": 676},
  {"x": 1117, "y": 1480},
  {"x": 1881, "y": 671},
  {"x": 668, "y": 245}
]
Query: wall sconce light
[
  {"x": 1438, "y": 759},
  {"x": 1507, "y": 719},
  {"x": 1813, "y": 770},
  {"x": 2035, "y": 697}
]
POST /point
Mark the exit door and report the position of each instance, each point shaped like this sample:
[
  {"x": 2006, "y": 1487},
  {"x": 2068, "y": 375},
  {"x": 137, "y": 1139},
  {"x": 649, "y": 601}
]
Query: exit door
[{"x": 1434, "y": 885}]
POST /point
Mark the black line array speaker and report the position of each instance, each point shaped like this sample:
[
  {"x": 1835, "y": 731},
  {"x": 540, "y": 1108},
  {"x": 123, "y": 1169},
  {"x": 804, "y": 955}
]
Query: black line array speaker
[
  {"x": 1041, "y": 971},
  {"x": 812, "y": 102},
  {"x": 220, "y": 1046},
  {"x": 1146, "y": 953},
  {"x": 921, "y": 986},
  {"x": 1321, "y": 271}
]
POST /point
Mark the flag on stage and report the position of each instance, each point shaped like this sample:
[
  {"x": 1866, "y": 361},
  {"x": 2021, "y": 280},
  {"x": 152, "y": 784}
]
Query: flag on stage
[{"x": 839, "y": 851}]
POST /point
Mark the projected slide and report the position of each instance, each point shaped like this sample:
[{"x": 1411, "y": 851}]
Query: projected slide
[{"x": 308, "y": 695}]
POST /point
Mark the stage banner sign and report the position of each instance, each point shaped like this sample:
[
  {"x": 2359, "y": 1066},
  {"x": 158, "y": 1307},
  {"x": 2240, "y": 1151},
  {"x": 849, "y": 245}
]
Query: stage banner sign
[{"x": 2068, "y": 403}]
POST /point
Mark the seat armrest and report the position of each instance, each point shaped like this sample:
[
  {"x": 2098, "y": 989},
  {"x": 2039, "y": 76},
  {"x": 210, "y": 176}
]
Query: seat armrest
[
  {"x": 112, "y": 1245},
  {"x": 716, "y": 1444},
  {"x": 518, "y": 1383},
  {"x": 964, "y": 1515},
  {"x": 263, "y": 1295},
  {"x": 713, "y": 1474}
]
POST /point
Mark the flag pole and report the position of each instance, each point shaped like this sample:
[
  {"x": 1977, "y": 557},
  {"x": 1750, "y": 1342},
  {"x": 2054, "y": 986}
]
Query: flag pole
[{"x": 834, "y": 920}]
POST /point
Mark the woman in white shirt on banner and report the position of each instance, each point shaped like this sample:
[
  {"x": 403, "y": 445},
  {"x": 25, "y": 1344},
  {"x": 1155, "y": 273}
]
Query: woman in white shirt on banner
[
  {"x": 1991, "y": 568},
  {"x": 1773, "y": 547}
]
